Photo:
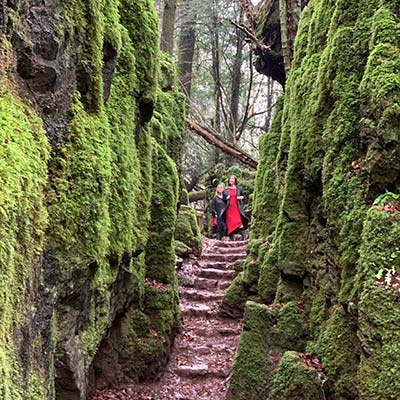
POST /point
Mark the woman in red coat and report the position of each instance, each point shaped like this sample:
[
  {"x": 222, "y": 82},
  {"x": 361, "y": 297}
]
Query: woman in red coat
[{"x": 235, "y": 218}]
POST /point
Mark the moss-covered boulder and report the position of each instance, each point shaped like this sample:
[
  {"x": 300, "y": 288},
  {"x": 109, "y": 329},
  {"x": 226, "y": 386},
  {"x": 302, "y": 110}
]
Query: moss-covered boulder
[
  {"x": 187, "y": 230},
  {"x": 235, "y": 298},
  {"x": 251, "y": 365},
  {"x": 293, "y": 379}
]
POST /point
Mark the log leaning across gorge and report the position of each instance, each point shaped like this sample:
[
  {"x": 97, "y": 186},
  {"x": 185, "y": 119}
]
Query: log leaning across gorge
[{"x": 221, "y": 144}]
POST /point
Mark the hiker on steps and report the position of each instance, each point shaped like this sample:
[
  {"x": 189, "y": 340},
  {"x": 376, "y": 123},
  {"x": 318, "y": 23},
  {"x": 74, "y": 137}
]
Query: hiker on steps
[
  {"x": 236, "y": 220},
  {"x": 218, "y": 206}
]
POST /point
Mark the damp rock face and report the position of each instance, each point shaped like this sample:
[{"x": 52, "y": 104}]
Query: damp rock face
[
  {"x": 327, "y": 255},
  {"x": 90, "y": 137}
]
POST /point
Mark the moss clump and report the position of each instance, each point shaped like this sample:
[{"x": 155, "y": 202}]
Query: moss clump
[
  {"x": 265, "y": 196},
  {"x": 181, "y": 249},
  {"x": 187, "y": 230},
  {"x": 24, "y": 152},
  {"x": 337, "y": 348},
  {"x": 293, "y": 380},
  {"x": 235, "y": 298},
  {"x": 251, "y": 365},
  {"x": 160, "y": 252},
  {"x": 290, "y": 331},
  {"x": 269, "y": 274}
]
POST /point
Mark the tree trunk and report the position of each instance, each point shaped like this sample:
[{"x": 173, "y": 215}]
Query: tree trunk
[
  {"x": 270, "y": 93},
  {"x": 236, "y": 80},
  {"x": 168, "y": 26},
  {"x": 284, "y": 35},
  {"x": 187, "y": 42},
  {"x": 221, "y": 144},
  {"x": 197, "y": 196}
]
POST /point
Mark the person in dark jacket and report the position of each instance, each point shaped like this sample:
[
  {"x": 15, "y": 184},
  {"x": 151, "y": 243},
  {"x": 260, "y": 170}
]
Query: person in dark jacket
[
  {"x": 235, "y": 218},
  {"x": 218, "y": 206}
]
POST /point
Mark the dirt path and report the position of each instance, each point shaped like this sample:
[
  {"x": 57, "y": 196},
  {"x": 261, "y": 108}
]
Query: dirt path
[{"x": 202, "y": 356}]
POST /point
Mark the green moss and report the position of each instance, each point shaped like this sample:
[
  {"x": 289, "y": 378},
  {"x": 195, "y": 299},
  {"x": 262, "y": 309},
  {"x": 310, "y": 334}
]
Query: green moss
[
  {"x": 181, "y": 249},
  {"x": 379, "y": 311},
  {"x": 338, "y": 150},
  {"x": 187, "y": 230},
  {"x": 160, "y": 252},
  {"x": 24, "y": 152},
  {"x": 265, "y": 191},
  {"x": 251, "y": 364},
  {"x": 87, "y": 18},
  {"x": 288, "y": 290},
  {"x": 269, "y": 275},
  {"x": 337, "y": 348},
  {"x": 235, "y": 297},
  {"x": 293, "y": 380},
  {"x": 289, "y": 331},
  {"x": 140, "y": 18}
]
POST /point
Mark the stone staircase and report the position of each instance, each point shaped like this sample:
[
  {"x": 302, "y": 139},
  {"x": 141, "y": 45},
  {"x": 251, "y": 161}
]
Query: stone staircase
[{"x": 202, "y": 357}]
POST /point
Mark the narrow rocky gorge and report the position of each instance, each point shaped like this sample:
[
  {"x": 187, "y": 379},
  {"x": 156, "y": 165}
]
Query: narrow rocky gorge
[{"x": 201, "y": 360}]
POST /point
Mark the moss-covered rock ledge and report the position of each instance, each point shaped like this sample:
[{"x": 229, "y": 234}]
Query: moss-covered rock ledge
[
  {"x": 327, "y": 252},
  {"x": 91, "y": 127}
]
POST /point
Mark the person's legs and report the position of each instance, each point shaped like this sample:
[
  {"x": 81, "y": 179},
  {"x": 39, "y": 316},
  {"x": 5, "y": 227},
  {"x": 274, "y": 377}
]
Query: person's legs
[
  {"x": 231, "y": 236},
  {"x": 243, "y": 234}
]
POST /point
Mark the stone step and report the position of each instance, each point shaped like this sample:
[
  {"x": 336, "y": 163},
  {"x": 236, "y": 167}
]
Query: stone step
[
  {"x": 228, "y": 258},
  {"x": 201, "y": 295},
  {"x": 229, "y": 243},
  {"x": 202, "y": 350},
  {"x": 201, "y": 371},
  {"x": 197, "y": 310},
  {"x": 192, "y": 371},
  {"x": 223, "y": 331},
  {"x": 205, "y": 283},
  {"x": 224, "y": 284},
  {"x": 216, "y": 264},
  {"x": 227, "y": 250},
  {"x": 212, "y": 273}
]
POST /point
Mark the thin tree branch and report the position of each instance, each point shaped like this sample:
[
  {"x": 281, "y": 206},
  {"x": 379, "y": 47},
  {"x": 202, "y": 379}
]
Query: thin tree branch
[
  {"x": 246, "y": 113},
  {"x": 222, "y": 145}
]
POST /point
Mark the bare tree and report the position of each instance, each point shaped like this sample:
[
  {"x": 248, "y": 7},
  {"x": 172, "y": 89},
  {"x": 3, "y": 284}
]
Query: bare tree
[
  {"x": 187, "y": 42},
  {"x": 168, "y": 26}
]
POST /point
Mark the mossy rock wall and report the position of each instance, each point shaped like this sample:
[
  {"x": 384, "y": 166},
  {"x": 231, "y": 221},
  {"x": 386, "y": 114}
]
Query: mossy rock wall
[
  {"x": 333, "y": 148},
  {"x": 91, "y": 125}
]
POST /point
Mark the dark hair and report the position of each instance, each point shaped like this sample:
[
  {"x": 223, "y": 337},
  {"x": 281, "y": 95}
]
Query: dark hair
[{"x": 233, "y": 176}]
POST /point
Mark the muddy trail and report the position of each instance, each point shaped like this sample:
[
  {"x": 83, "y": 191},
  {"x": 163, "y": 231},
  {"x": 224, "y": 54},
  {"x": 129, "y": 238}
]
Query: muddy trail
[{"x": 204, "y": 349}]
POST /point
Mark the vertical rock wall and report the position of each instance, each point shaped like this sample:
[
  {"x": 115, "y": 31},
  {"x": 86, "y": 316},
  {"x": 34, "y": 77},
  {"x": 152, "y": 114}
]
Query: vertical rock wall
[
  {"x": 89, "y": 196},
  {"x": 332, "y": 150}
]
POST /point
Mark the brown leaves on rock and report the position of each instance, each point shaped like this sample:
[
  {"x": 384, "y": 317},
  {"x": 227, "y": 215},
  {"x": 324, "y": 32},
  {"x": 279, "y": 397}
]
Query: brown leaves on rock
[
  {"x": 390, "y": 208},
  {"x": 311, "y": 362},
  {"x": 154, "y": 283}
]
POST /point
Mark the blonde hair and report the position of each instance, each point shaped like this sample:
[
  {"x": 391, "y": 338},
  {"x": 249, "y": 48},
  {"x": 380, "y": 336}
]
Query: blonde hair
[{"x": 216, "y": 189}]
